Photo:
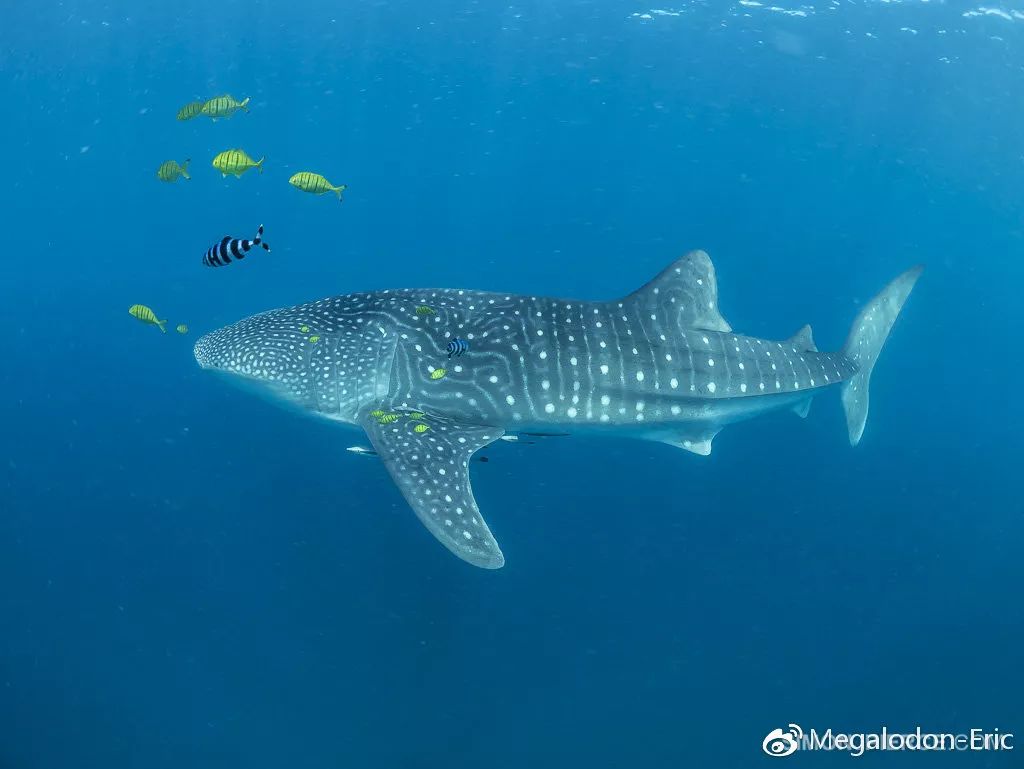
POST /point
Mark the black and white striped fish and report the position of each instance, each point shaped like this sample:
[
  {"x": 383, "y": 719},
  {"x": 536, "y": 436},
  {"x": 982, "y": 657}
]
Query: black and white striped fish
[
  {"x": 457, "y": 347},
  {"x": 221, "y": 253}
]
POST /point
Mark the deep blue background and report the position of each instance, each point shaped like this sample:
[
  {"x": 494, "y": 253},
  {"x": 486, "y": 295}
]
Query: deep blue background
[{"x": 190, "y": 577}]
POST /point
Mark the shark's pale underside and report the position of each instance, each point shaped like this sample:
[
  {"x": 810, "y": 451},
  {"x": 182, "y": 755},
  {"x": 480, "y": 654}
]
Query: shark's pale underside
[{"x": 660, "y": 364}]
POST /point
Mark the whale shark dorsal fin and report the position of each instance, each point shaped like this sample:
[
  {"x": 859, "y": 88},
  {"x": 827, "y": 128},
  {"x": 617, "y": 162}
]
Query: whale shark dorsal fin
[
  {"x": 803, "y": 340},
  {"x": 431, "y": 468},
  {"x": 686, "y": 293}
]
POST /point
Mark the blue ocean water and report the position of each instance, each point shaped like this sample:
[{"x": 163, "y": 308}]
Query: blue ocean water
[{"x": 193, "y": 577}]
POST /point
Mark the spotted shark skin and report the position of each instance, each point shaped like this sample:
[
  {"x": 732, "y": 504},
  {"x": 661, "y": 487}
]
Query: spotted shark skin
[{"x": 660, "y": 364}]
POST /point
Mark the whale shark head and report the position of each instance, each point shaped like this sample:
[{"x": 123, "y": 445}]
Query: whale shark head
[
  {"x": 324, "y": 357},
  {"x": 267, "y": 351}
]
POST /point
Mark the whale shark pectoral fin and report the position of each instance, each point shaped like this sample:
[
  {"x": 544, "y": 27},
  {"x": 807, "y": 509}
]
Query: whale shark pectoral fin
[
  {"x": 685, "y": 292},
  {"x": 431, "y": 469}
]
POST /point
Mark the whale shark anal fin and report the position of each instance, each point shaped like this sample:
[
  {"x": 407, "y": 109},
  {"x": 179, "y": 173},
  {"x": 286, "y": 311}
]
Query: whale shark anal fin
[{"x": 431, "y": 469}]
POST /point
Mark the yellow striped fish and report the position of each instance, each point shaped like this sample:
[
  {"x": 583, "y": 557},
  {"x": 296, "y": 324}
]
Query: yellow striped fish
[
  {"x": 146, "y": 315},
  {"x": 170, "y": 171},
  {"x": 236, "y": 162},
  {"x": 190, "y": 110},
  {"x": 224, "y": 106},
  {"x": 438, "y": 373},
  {"x": 181, "y": 328},
  {"x": 307, "y": 181}
]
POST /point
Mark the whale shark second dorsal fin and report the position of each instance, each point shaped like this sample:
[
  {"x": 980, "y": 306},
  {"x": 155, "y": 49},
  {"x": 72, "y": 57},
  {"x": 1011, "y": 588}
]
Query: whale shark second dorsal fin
[
  {"x": 803, "y": 340},
  {"x": 685, "y": 293},
  {"x": 431, "y": 468}
]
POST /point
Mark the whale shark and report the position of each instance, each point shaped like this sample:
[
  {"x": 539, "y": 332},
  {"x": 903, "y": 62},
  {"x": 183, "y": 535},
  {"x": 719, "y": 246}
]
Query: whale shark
[{"x": 660, "y": 364}]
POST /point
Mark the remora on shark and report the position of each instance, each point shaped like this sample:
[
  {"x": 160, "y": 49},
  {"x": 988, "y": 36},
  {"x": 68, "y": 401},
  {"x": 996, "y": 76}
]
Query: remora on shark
[{"x": 661, "y": 364}]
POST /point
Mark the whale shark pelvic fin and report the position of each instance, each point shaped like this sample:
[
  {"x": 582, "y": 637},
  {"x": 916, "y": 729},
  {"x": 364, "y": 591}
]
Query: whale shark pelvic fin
[
  {"x": 698, "y": 443},
  {"x": 685, "y": 293},
  {"x": 431, "y": 469}
]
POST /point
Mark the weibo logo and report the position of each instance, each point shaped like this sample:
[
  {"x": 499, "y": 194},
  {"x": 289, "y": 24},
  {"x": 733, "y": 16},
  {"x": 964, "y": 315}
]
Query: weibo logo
[{"x": 783, "y": 743}]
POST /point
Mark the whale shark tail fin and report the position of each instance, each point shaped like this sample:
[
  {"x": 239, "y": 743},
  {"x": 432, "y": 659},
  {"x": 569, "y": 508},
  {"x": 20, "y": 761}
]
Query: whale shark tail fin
[{"x": 867, "y": 335}]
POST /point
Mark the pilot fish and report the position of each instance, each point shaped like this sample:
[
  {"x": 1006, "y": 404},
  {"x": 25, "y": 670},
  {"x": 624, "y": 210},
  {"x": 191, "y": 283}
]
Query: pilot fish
[
  {"x": 190, "y": 110},
  {"x": 236, "y": 162},
  {"x": 146, "y": 315},
  {"x": 457, "y": 347},
  {"x": 224, "y": 106},
  {"x": 221, "y": 253},
  {"x": 307, "y": 181},
  {"x": 170, "y": 171}
]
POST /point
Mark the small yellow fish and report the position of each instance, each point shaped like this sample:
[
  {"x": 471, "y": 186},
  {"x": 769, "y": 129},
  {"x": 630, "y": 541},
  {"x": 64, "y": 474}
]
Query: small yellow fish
[
  {"x": 314, "y": 339},
  {"x": 438, "y": 373},
  {"x": 307, "y": 181},
  {"x": 377, "y": 413},
  {"x": 304, "y": 329},
  {"x": 420, "y": 428},
  {"x": 190, "y": 110},
  {"x": 236, "y": 162},
  {"x": 224, "y": 106},
  {"x": 181, "y": 328},
  {"x": 387, "y": 419},
  {"x": 424, "y": 310},
  {"x": 170, "y": 171},
  {"x": 146, "y": 315},
  {"x": 416, "y": 415}
]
